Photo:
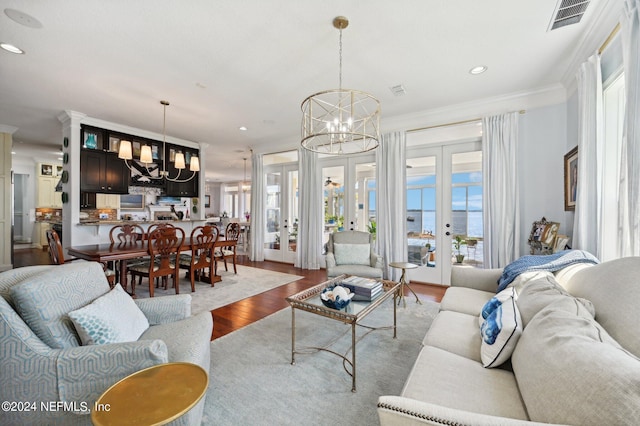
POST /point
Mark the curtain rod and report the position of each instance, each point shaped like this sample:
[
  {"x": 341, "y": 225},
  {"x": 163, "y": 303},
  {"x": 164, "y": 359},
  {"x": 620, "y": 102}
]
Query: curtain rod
[
  {"x": 455, "y": 123},
  {"x": 606, "y": 43}
]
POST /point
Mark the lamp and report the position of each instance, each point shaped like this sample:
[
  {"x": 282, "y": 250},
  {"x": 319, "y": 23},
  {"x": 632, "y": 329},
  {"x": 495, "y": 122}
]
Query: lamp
[
  {"x": 340, "y": 121},
  {"x": 245, "y": 185},
  {"x": 125, "y": 152}
]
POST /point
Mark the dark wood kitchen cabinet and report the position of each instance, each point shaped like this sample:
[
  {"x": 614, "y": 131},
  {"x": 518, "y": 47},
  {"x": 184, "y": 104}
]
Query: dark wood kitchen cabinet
[
  {"x": 103, "y": 172},
  {"x": 181, "y": 189}
]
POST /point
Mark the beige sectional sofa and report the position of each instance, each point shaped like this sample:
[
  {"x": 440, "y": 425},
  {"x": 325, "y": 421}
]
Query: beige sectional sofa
[{"x": 566, "y": 367}]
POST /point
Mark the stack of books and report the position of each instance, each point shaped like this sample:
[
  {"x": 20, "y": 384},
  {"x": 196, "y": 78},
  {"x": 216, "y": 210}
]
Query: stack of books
[{"x": 364, "y": 289}]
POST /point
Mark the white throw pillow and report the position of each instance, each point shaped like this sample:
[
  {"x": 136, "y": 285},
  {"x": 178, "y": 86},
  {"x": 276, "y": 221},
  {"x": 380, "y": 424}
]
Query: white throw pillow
[
  {"x": 111, "y": 318},
  {"x": 500, "y": 333},
  {"x": 352, "y": 254}
]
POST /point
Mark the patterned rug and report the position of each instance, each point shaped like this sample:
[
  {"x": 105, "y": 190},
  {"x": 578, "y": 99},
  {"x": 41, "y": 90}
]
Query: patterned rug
[
  {"x": 252, "y": 381},
  {"x": 248, "y": 282}
]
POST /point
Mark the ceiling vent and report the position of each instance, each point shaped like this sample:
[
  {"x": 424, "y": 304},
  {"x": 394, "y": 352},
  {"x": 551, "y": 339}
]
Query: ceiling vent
[
  {"x": 398, "y": 90},
  {"x": 568, "y": 12}
]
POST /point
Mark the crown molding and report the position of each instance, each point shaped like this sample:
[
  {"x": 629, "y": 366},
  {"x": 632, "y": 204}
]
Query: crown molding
[
  {"x": 536, "y": 98},
  {"x": 137, "y": 132}
]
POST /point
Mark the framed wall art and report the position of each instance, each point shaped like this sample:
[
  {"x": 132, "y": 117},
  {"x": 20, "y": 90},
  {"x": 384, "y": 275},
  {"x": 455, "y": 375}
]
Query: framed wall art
[
  {"x": 570, "y": 179},
  {"x": 46, "y": 170}
]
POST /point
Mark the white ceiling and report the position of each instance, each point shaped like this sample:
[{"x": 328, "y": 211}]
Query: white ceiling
[{"x": 226, "y": 64}]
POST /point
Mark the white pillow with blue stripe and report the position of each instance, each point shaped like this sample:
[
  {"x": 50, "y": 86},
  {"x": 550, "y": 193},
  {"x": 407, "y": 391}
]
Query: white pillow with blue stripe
[
  {"x": 494, "y": 302},
  {"x": 500, "y": 330},
  {"x": 111, "y": 318}
]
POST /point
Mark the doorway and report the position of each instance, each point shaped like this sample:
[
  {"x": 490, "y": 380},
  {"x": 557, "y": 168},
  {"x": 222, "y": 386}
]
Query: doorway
[
  {"x": 281, "y": 213},
  {"x": 349, "y": 194},
  {"x": 444, "y": 210},
  {"x": 22, "y": 234}
]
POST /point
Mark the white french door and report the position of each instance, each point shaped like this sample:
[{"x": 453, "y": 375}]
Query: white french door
[
  {"x": 444, "y": 200},
  {"x": 281, "y": 213},
  {"x": 349, "y": 188}
]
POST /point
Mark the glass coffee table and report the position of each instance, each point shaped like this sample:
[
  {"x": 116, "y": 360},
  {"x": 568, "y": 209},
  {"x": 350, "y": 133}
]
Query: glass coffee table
[{"x": 309, "y": 301}]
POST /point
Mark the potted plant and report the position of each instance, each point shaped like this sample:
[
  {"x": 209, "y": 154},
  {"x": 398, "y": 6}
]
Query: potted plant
[
  {"x": 371, "y": 227},
  {"x": 425, "y": 252},
  {"x": 457, "y": 243}
]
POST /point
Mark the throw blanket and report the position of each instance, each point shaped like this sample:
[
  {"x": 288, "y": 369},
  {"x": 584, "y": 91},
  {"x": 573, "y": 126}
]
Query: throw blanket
[{"x": 553, "y": 262}]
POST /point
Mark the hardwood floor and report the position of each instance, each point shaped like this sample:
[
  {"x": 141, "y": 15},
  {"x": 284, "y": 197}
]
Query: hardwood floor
[{"x": 244, "y": 312}]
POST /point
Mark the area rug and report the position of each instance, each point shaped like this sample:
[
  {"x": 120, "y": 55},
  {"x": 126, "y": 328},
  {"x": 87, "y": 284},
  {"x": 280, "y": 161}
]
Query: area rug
[
  {"x": 248, "y": 282},
  {"x": 252, "y": 381}
]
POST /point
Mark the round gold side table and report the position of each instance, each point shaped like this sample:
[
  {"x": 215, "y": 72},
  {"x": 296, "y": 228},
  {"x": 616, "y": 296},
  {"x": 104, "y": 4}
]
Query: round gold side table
[
  {"x": 403, "y": 282},
  {"x": 153, "y": 396}
]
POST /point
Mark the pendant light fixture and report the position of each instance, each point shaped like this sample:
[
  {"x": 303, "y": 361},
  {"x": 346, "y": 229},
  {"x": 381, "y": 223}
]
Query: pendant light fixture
[
  {"x": 146, "y": 157},
  {"x": 246, "y": 186},
  {"x": 340, "y": 121}
]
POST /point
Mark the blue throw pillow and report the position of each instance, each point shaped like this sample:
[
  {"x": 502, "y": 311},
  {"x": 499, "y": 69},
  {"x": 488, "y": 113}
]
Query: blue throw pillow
[{"x": 500, "y": 331}]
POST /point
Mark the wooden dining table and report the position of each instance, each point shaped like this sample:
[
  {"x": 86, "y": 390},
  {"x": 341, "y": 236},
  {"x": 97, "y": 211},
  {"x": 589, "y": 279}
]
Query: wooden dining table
[{"x": 125, "y": 252}]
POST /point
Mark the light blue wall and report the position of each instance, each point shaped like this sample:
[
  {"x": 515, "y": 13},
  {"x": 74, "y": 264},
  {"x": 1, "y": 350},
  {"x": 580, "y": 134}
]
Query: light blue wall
[{"x": 543, "y": 143}]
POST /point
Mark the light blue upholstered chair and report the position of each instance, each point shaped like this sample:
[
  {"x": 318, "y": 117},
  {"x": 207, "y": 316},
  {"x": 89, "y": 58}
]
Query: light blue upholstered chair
[
  {"x": 41, "y": 359},
  {"x": 351, "y": 252}
]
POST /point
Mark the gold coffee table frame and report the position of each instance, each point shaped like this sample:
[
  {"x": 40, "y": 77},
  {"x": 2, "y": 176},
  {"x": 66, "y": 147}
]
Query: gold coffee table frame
[
  {"x": 153, "y": 396},
  {"x": 403, "y": 281},
  {"x": 309, "y": 301}
]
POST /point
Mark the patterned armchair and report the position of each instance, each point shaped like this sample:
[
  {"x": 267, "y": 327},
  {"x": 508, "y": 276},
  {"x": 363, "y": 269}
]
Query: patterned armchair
[
  {"x": 41, "y": 359},
  {"x": 351, "y": 252}
]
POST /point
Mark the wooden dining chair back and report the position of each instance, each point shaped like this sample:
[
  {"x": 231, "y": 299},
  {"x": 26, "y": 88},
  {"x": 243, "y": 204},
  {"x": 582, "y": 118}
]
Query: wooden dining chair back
[
  {"x": 200, "y": 258},
  {"x": 156, "y": 226},
  {"x": 228, "y": 250},
  {"x": 56, "y": 253},
  {"x": 164, "y": 244},
  {"x": 126, "y": 234},
  {"x": 122, "y": 235}
]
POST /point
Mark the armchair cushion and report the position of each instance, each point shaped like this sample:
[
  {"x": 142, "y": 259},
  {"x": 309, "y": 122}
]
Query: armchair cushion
[
  {"x": 44, "y": 300},
  {"x": 352, "y": 254},
  {"x": 111, "y": 318}
]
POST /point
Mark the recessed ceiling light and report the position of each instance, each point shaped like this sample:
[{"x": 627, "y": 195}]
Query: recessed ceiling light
[
  {"x": 478, "y": 70},
  {"x": 11, "y": 48},
  {"x": 243, "y": 128},
  {"x": 22, "y": 18},
  {"x": 13, "y": 153}
]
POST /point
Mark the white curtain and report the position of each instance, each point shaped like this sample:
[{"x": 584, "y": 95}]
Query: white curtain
[
  {"x": 500, "y": 201},
  {"x": 391, "y": 182},
  {"x": 629, "y": 204},
  {"x": 258, "y": 191},
  {"x": 587, "y": 221},
  {"x": 310, "y": 212}
]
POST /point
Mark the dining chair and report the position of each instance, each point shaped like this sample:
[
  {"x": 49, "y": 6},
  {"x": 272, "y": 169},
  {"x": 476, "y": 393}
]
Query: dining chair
[
  {"x": 155, "y": 226},
  {"x": 126, "y": 234},
  {"x": 228, "y": 251},
  {"x": 56, "y": 253},
  {"x": 201, "y": 256},
  {"x": 163, "y": 246},
  {"x": 122, "y": 235}
]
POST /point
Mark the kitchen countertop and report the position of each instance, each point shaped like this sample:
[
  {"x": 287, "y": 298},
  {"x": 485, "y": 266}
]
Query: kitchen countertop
[{"x": 95, "y": 222}]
